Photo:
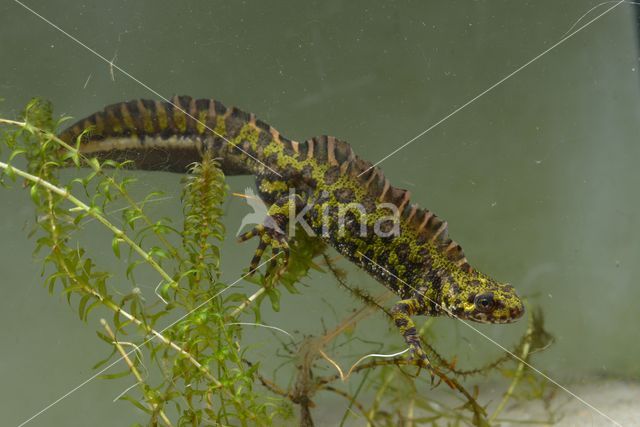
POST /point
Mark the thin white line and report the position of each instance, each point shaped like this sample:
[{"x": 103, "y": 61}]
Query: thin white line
[
  {"x": 592, "y": 9},
  {"x": 124, "y": 392},
  {"x": 113, "y": 65},
  {"x": 366, "y": 356},
  {"x": 499, "y": 345},
  {"x": 262, "y": 325},
  {"x": 87, "y": 81},
  {"x": 155, "y": 291},
  {"x": 490, "y": 88},
  {"x": 79, "y": 386}
]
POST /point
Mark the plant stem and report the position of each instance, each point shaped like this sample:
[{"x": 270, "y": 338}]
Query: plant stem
[
  {"x": 114, "y": 307},
  {"x": 94, "y": 212},
  {"x": 518, "y": 375},
  {"x": 98, "y": 170},
  {"x": 153, "y": 406},
  {"x": 119, "y": 233},
  {"x": 248, "y": 301}
]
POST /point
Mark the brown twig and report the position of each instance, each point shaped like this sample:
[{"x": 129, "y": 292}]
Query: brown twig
[{"x": 353, "y": 401}]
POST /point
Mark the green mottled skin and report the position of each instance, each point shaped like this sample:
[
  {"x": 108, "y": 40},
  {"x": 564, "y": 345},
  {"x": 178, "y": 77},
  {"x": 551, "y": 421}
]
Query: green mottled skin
[{"x": 419, "y": 262}]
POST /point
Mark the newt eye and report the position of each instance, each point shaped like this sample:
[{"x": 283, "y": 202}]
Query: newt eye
[{"x": 484, "y": 302}]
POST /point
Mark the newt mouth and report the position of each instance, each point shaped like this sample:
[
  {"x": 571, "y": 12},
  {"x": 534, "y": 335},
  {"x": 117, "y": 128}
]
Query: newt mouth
[{"x": 512, "y": 316}]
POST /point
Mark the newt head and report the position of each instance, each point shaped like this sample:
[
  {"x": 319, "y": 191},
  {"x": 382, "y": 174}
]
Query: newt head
[{"x": 481, "y": 299}]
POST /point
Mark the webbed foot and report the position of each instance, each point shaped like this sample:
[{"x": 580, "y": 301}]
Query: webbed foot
[{"x": 270, "y": 236}]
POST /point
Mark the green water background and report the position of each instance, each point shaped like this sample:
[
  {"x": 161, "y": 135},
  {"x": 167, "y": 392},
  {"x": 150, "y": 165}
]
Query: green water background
[{"x": 538, "y": 178}]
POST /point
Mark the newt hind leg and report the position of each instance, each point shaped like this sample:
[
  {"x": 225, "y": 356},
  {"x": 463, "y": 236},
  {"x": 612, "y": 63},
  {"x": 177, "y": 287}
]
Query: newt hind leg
[{"x": 401, "y": 314}]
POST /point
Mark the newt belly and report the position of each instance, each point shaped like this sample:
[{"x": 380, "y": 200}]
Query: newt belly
[{"x": 337, "y": 196}]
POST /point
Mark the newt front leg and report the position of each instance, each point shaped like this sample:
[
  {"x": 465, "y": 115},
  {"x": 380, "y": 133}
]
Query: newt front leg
[
  {"x": 273, "y": 232},
  {"x": 269, "y": 236}
]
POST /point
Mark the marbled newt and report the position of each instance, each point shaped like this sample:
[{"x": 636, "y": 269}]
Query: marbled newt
[{"x": 342, "y": 198}]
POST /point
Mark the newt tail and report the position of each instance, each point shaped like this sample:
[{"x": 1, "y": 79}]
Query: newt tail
[{"x": 339, "y": 197}]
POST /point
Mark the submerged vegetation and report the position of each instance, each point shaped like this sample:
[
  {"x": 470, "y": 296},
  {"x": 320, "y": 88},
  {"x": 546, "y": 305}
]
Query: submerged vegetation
[{"x": 183, "y": 347}]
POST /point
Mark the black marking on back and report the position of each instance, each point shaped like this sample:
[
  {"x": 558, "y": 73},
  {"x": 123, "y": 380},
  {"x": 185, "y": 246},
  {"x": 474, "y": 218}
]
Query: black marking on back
[
  {"x": 287, "y": 146},
  {"x": 192, "y": 117},
  {"x": 113, "y": 120},
  {"x": 202, "y": 105},
  {"x": 262, "y": 125},
  {"x": 323, "y": 149},
  {"x": 150, "y": 106},
  {"x": 182, "y": 102},
  {"x": 233, "y": 125},
  {"x": 136, "y": 118},
  {"x": 172, "y": 129},
  {"x": 303, "y": 148},
  {"x": 320, "y": 149},
  {"x": 343, "y": 152},
  {"x": 219, "y": 108},
  {"x": 238, "y": 114}
]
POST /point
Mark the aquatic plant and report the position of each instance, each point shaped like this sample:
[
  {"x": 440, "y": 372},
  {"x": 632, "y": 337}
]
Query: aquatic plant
[{"x": 184, "y": 346}]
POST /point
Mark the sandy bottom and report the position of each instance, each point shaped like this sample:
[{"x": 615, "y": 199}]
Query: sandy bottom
[{"x": 618, "y": 399}]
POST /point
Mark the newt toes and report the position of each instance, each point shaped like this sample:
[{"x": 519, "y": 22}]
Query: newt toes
[{"x": 338, "y": 196}]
